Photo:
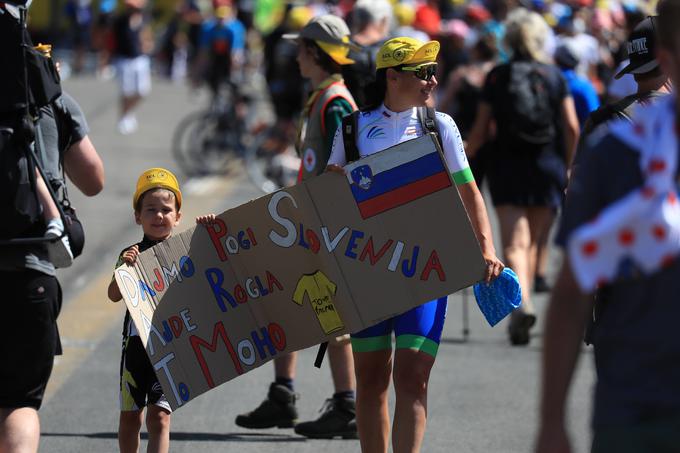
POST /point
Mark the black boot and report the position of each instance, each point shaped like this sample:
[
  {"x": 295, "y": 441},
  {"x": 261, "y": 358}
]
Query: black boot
[
  {"x": 518, "y": 330},
  {"x": 337, "y": 420},
  {"x": 278, "y": 410}
]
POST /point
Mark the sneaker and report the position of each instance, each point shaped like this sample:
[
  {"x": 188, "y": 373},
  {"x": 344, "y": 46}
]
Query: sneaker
[
  {"x": 518, "y": 330},
  {"x": 127, "y": 125},
  {"x": 278, "y": 410},
  {"x": 58, "y": 251},
  {"x": 337, "y": 420},
  {"x": 541, "y": 285}
]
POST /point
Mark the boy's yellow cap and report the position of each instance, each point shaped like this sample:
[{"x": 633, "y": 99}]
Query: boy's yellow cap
[
  {"x": 405, "y": 50},
  {"x": 154, "y": 178}
]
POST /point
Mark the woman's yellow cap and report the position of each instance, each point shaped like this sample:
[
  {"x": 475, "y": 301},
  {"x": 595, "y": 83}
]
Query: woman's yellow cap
[
  {"x": 157, "y": 178},
  {"x": 405, "y": 50}
]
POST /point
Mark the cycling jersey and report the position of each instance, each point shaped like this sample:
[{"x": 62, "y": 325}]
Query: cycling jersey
[
  {"x": 420, "y": 328},
  {"x": 223, "y": 37},
  {"x": 381, "y": 128}
]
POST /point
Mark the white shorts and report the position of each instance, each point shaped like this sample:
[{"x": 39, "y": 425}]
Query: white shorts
[{"x": 134, "y": 76}]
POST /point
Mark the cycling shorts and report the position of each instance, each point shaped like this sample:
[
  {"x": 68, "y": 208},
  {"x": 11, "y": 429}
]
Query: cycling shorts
[{"x": 418, "y": 329}]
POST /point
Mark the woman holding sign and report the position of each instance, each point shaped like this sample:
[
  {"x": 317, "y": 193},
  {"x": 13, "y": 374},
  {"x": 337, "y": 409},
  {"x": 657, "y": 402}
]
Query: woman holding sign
[{"x": 404, "y": 85}]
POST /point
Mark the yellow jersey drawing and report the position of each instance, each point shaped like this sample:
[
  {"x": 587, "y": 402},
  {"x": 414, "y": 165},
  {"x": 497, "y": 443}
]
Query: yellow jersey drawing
[{"x": 320, "y": 291}]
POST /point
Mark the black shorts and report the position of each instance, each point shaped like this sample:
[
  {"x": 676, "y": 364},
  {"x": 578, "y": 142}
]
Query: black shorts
[
  {"x": 139, "y": 385},
  {"x": 29, "y": 338}
]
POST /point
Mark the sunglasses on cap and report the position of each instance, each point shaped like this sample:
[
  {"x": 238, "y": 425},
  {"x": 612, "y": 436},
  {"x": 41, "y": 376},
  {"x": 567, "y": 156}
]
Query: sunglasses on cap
[{"x": 423, "y": 72}]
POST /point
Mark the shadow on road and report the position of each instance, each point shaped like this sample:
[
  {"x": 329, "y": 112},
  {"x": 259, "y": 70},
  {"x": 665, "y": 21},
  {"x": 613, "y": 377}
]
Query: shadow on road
[{"x": 195, "y": 436}]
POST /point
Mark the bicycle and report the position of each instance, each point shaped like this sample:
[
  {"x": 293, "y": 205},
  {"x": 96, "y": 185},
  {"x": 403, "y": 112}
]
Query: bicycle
[
  {"x": 271, "y": 160},
  {"x": 205, "y": 142}
]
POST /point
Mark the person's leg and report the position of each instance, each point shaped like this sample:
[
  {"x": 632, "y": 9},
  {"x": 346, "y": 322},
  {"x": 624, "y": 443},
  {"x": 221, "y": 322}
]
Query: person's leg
[
  {"x": 19, "y": 430},
  {"x": 411, "y": 376},
  {"x": 28, "y": 343},
  {"x": 158, "y": 426},
  {"x": 373, "y": 372},
  {"x": 540, "y": 222},
  {"x": 133, "y": 379},
  {"x": 516, "y": 239},
  {"x": 341, "y": 364},
  {"x": 129, "y": 426},
  {"x": 284, "y": 366},
  {"x": 418, "y": 333}
]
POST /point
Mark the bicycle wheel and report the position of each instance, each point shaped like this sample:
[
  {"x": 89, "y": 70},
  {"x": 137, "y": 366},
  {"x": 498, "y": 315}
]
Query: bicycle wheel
[
  {"x": 183, "y": 149},
  {"x": 270, "y": 165},
  {"x": 204, "y": 143}
]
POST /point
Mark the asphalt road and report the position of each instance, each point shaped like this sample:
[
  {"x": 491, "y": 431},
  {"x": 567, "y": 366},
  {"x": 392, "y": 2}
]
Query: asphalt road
[{"x": 483, "y": 393}]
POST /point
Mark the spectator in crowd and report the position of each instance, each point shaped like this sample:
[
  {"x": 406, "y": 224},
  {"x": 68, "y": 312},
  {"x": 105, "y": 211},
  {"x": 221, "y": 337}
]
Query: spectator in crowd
[
  {"x": 322, "y": 48},
  {"x": 371, "y": 22},
  {"x": 583, "y": 92},
  {"x": 637, "y": 395},
  {"x": 133, "y": 44},
  {"x": 536, "y": 136},
  {"x": 32, "y": 295},
  {"x": 463, "y": 93},
  {"x": 650, "y": 79}
]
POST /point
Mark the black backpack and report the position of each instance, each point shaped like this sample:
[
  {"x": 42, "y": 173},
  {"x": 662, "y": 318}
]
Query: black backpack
[
  {"x": 19, "y": 161},
  {"x": 529, "y": 118},
  {"x": 18, "y": 196},
  {"x": 360, "y": 75},
  {"x": 426, "y": 115}
]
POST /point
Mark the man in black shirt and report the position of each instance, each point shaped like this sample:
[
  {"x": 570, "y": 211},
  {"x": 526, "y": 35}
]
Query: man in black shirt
[
  {"x": 650, "y": 78},
  {"x": 636, "y": 345}
]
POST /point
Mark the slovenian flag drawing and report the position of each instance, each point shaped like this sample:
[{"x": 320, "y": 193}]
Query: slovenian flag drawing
[{"x": 401, "y": 176}]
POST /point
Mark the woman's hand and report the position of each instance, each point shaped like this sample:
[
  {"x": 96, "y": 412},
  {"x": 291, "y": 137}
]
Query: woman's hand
[
  {"x": 494, "y": 267},
  {"x": 205, "y": 220},
  {"x": 332, "y": 168},
  {"x": 130, "y": 255}
]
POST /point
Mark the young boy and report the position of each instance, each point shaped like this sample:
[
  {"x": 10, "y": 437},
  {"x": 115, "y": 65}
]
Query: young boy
[{"x": 157, "y": 203}]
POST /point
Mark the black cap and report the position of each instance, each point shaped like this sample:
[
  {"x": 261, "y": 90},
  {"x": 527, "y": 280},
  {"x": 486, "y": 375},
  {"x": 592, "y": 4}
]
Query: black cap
[
  {"x": 566, "y": 56},
  {"x": 641, "y": 49}
]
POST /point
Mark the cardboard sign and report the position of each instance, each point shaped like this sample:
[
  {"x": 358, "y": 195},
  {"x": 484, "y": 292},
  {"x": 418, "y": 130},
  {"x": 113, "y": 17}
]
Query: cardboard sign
[{"x": 292, "y": 269}]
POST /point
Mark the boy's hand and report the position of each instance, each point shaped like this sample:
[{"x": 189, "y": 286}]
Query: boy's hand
[
  {"x": 130, "y": 255},
  {"x": 205, "y": 220}
]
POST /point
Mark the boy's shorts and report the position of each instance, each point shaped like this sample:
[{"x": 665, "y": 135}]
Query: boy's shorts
[
  {"x": 29, "y": 338},
  {"x": 139, "y": 386},
  {"x": 134, "y": 76},
  {"x": 418, "y": 329}
]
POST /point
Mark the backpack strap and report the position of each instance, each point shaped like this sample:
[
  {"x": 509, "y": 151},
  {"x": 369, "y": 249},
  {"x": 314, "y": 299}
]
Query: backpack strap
[
  {"x": 428, "y": 121},
  {"x": 349, "y": 136}
]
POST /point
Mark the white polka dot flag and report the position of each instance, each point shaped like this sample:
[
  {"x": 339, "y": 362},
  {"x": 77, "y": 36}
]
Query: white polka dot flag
[{"x": 642, "y": 230}]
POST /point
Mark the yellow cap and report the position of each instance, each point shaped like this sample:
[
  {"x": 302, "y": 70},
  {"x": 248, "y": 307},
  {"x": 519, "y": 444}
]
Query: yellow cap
[
  {"x": 405, "y": 14},
  {"x": 298, "y": 17},
  {"x": 157, "y": 178},
  {"x": 338, "y": 52},
  {"x": 223, "y": 12},
  {"x": 405, "y": 50}
]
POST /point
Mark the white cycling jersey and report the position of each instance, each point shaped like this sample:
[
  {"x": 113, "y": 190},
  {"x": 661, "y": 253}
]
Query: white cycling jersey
[{"x": 381, "y": 128}]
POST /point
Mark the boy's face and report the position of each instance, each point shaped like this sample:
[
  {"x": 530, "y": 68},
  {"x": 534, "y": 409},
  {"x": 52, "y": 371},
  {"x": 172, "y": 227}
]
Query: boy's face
[{"x": 158, "y": 214}]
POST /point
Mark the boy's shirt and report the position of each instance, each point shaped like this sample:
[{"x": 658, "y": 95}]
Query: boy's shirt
[{"x": 129, "y": 328}]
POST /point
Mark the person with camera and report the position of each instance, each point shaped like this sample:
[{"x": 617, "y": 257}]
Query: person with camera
[{"x": 31, "y": 292}]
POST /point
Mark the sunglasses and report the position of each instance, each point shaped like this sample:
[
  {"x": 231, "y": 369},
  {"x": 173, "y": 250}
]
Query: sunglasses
[{"x": 423, "y": 72}]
